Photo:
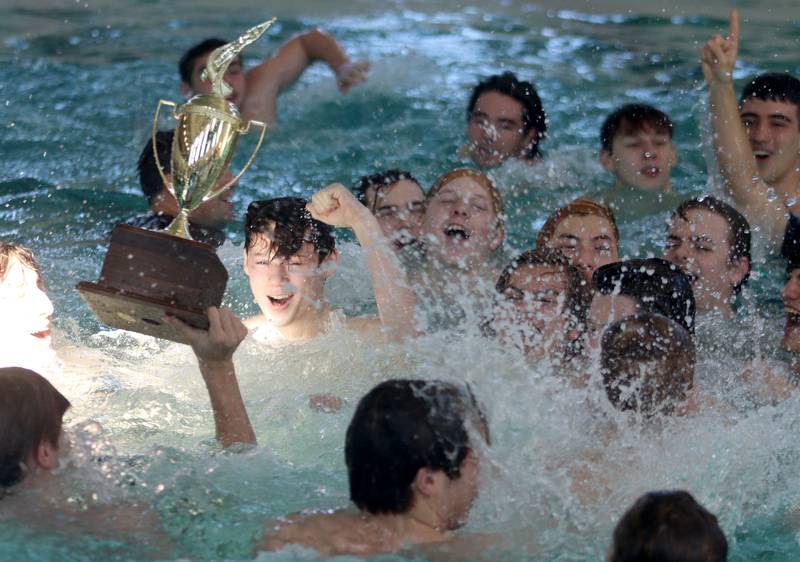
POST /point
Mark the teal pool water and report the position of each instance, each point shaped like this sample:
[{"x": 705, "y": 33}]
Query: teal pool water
[{"x": 79, "y": 82}]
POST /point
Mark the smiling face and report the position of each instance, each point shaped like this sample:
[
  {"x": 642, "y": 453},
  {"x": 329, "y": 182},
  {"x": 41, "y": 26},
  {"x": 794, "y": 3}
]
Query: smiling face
[
  {"x": 234, "y": 76},
  {"x": 27, "y": 310},
  {"x": 774, "y": 134},
  {"x": 700, "y": 246},
  {"x": 460, "y": 227},
  {"x": 399, "y": 209},
  {"x": 289, "y": 291},
  {"x": 587, "y": 241},
  {"x": 642, "y": 159},
  {"x": 495, "y": 130}
]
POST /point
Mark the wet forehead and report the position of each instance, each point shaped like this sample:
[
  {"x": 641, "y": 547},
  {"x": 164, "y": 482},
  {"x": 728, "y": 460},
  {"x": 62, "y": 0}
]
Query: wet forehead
[
  {"x": 18, "y": 275},
  {"x": 263, "y": 246},
  {"x": 700, "y": 224},
  {"x": 400, "y": 193},
  {"x": 763, "y": 109},
  {"x": 466, "y": 188},
  {"x": 584, "y": 228},
  {"x": 498, "y": 106},
  {"x": 538, "y": 278}
]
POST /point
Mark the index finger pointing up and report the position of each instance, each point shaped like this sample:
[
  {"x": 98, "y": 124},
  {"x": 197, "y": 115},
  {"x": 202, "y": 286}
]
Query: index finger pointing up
[{"x": 734, "y": 27}]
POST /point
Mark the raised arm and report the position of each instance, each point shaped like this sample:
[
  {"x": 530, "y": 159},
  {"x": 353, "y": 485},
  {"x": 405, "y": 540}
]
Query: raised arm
[
  {"x": 337, "y": 206},
  {"x": 735, "y": 156},
  {"x": 214, "y": 350},
  {"x": 267, "y": 80}
]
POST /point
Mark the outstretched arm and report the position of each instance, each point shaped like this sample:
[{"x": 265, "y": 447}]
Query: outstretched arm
[
  {"x": 337, "y": 206},
  {"x": 267, "y": 80},
  {"x": 734, "y": 154},
  {"x": 214, "y": 350}
]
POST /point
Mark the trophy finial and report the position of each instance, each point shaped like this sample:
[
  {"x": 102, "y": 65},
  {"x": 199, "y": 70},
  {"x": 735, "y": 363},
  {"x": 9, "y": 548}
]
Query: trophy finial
[{"x": 221, "y": 58}]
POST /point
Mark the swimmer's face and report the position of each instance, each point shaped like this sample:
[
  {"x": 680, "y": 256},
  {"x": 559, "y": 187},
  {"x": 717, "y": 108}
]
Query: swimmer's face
[
  {"x": 700, "y": 247},
  {"x": 533, "y": 306},
  {"x": 605, "y": 310},
  {"x": 27, "y": 311},
  {"x": 460, "y": 227},
  {"x": 460, "y": 493},
  {"x": 234, "y": 76},
  {"x": 588, "y": 242},
  {"x": 774, "y": 133},
  {"x": 495, "y": 130},
  {"x": 791, "y": 305},
  {"x": 289, "y": 291},
  {"x": 218, "y": 211},
  {"x": 643, "y": 159},
  {"x": 399, "y": 209}
]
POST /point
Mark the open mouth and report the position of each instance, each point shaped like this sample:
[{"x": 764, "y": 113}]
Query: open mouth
[
  {"x": 279, "y": 302},
  {"x": 761, "y": 154},
  {"x": 650, "y": 171},
  {"x": 792, "y": 313},
  {"x": 456, "y": 232}
]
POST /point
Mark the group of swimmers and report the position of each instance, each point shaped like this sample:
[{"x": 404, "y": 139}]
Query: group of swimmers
[{"x": 436, "y": 262}]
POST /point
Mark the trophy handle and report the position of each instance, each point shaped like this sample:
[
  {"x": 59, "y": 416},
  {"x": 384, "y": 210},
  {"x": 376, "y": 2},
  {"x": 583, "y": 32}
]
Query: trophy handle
[
  {"x": 155, "y": 130},
  {"x": 250, "y": 161}
]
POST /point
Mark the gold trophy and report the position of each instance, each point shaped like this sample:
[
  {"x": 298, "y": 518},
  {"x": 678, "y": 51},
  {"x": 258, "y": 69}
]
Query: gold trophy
[{"x": 149, "y": 274}]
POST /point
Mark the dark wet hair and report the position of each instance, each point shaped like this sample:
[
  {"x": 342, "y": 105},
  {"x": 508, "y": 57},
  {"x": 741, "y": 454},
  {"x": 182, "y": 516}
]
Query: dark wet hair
[
  {"x": 378, "y": 182},
  {"x": 293, "y": 226},
  {"x": 738, "y": 228},
  {"x": 31, "y": 412},
  {"x": 668, "y": 526},
  {"x": 149, "y": 178},
  {"x": 790, "y": 248},
  {"x": 186, "y": 64},
  {"x": 578, "y": 296},
  {"x": 632, "y": 118},
  {"x": 657, "y": 285},
  {"x": 399, "y": 427},
  {"x": 774, "y": 86},
  {"x": 647, "y": 364},
  {"x": 533, "y": 115},
  {"x": 580, "y": 207}
]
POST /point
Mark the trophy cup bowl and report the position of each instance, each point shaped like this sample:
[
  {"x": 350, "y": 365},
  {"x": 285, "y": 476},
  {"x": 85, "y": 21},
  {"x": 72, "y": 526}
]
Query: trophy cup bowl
[{"x": 149, "y": 274}]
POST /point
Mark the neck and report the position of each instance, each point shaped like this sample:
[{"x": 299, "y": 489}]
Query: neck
[
  {"x": 720, "y": 306},
  {"x": 622, "y": 187},
  {"x": 416, "y": 526},
  {"x": 788, "y": 186},
  {"x": 309, "y": 325}
]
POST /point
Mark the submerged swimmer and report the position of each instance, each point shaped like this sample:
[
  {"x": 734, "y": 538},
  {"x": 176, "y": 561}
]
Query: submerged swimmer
[
  {"x": 505, "y": 119},
  {"x": 27, "y": 310},
  {"x": 397, "y": 200},
  {"x": 256, "y": 91},
  {"x": 585, "y": 232},
  {"x": 290, "y": 253}
]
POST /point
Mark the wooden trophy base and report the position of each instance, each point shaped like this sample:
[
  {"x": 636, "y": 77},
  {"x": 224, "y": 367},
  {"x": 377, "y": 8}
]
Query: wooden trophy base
[{"x": 147, "y": 275}]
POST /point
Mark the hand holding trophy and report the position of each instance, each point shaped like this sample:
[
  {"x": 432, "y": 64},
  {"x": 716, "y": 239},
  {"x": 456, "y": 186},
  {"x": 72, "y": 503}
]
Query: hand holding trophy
[{"x": 149, "y": 274}]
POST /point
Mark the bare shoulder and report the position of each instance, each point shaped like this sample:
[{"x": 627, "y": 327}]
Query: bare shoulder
[{"x": 325, "y": 532}]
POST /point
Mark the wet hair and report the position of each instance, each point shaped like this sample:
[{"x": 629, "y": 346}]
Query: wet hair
[
  {"x": 475, "y": 175},
  {"x": 580, "y": 207},
  {"x": 186, "y": 64},
  {"x": 293, "y": 226},
  {"x": 647, "y": 364},
  {"x": 668, "y": 526},
  {"x": 533, "y": 115},
  {"x": 738, "y": 228},
  {"x": 399, "y": 427},
  {"x": 790, "y": 248},
  {"x": 578, "y": 296},
  {"x": 31, "y": 412},
  {"x": 10, "y": 252},
  {"x": 657, "y": 285},
  {"x": 630, "y": 119},
  {"x": 375, "y": 183},
  {"x": 150, "y": 179},
  {"x": 773, "y": 86}
]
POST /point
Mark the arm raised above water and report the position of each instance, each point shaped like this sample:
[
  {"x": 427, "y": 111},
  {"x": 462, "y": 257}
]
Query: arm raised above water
[
  {"x": 735, "y": 156},
  {"x": 337, "y": 206},
  {"x": 214, "y": 350}
]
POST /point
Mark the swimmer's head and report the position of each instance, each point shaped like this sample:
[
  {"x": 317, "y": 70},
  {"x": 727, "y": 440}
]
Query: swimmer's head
[
  {"x": 544, "y": 297},
  {"x": 31, "y": 412},
  {"x": 647, "y": 364},
  {"x": 505, "y": 119},
  {"x": 213, "y": 213},
  {"x": 770, "y": 110},
  {"x": 27, "y": 310},
  {"x": 396, "y": 198},
  {"x": 636, "y": 146},
  {"x": 410, "y": 445},
  {"x": 193, "y": 62},
  {"x": 463, "y": 222},
  {"x": 668, "y": 527},
  {"x": 585, "y": 232},
  {"x": 288, "y": 257},
  {"x": 710, "y": 241}
]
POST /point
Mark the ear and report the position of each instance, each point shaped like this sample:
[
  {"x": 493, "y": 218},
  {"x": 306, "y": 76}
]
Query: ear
[
  {"x": 330, "y": 264},
  {"x": 45, "y": 456},
  {"x": 606, "y": 160},
  {"x": 186, "y": 89},
  {"x": 738, "y": 270},
  {"x": 499, "y": 236},
  {"x": 426, "y": 482},
  {"x": 244, "y": 263}
]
